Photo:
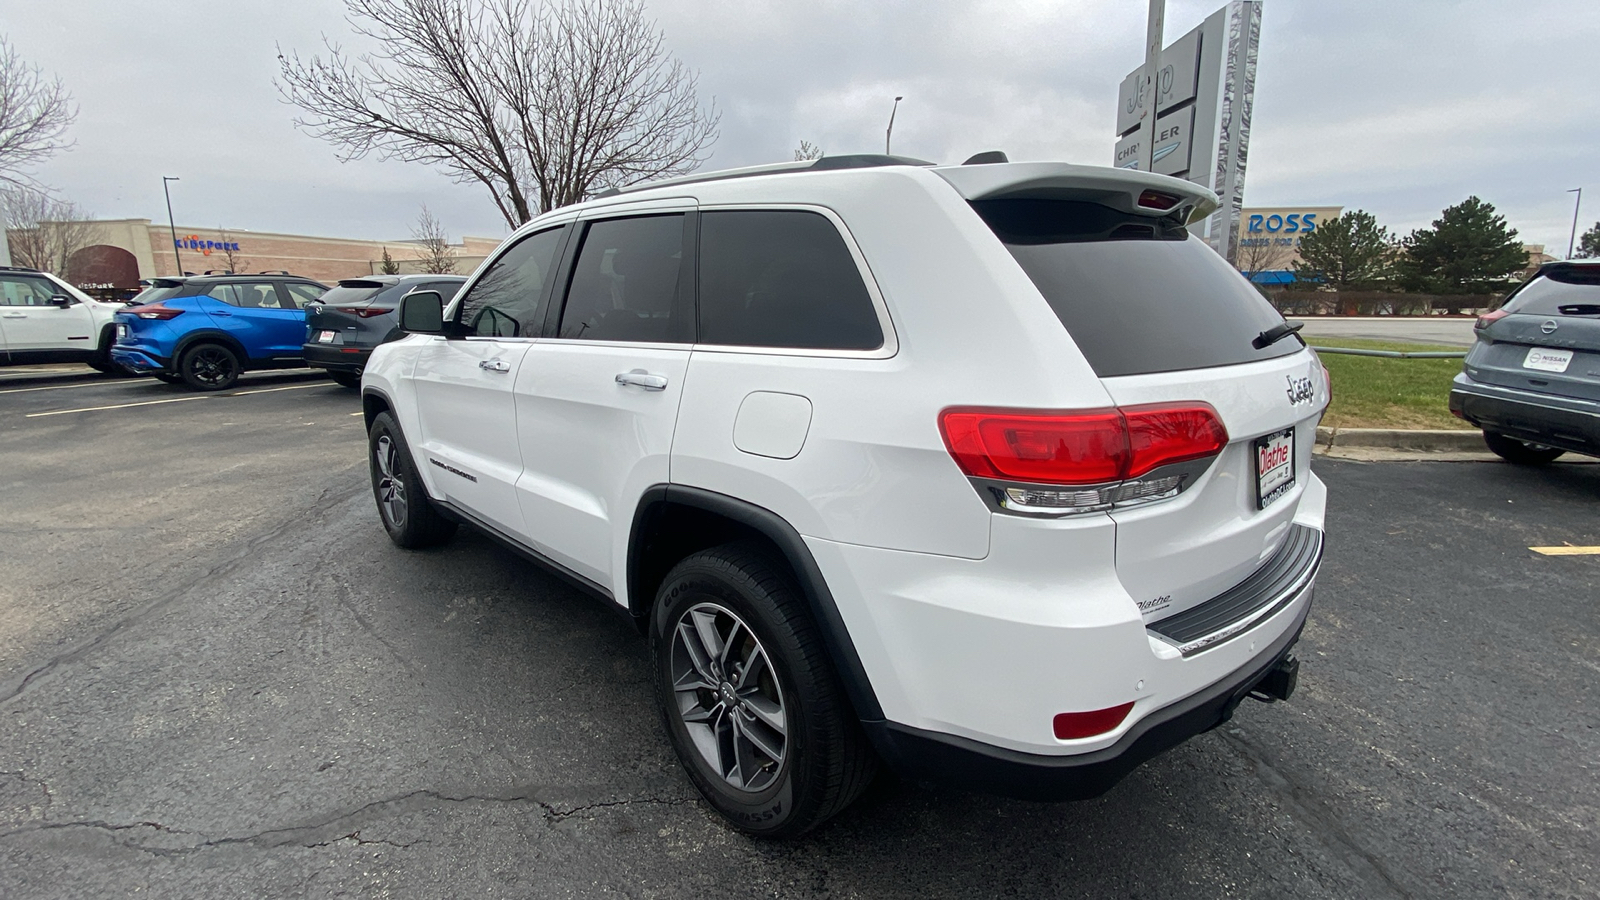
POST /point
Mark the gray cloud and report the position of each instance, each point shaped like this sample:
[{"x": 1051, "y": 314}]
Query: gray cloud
[{"x": 1399, "y": 108}]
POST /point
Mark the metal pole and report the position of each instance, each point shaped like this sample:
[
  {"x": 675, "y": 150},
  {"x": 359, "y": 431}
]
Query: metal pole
[
  {"x": 164, "y": 189},
  {"x": 1572, "y": 240},
  {"x": 890, "y": 133},
  {"x": 1152, "y": 82}
]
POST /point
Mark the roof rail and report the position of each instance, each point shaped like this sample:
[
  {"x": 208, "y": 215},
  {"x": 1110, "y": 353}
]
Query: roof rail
[
  {"x": 825, "y": 164},
  {"x": 272, "y": 272},
  {"x": 17, "y": 269}
]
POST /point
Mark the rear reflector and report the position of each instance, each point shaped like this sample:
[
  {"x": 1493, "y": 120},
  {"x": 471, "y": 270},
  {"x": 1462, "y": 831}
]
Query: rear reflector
[{"x": 1071, "y": 726}]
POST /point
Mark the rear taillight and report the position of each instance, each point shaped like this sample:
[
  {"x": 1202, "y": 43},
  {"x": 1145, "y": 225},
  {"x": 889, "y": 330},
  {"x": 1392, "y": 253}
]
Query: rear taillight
[
  {"x": 1103, "y": 455},
  {"x": 157, "y": 311},
  {"x": 368, "y": 312},
  {"x": 1489, "y": 318},
  {"x": 1157, "y": 200}
]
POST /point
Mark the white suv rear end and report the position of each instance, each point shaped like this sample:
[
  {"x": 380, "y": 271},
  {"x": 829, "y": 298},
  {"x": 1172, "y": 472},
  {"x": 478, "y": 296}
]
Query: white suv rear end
[{"x": 993, "y": 474}]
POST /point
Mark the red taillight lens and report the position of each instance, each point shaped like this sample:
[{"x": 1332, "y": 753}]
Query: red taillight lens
[
  {"x": 1048, "y": 448},
  {"x": 1157, "y": 200},
  {"x": 1489, "y": 318},
  {"x": 157, "y": 311},
  {"x": 1161, "y": 435},
  {"x": 369, "y": 311},
  {"x": 1089, "y": 447},
  {"x": 1069, "y": 726}
]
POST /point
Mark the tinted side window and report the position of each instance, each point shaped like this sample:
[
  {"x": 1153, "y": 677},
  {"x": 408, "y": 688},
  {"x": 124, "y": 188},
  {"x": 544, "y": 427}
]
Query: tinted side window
[
  {"x": 446, "y": 289},
  {"x": 301, "y": 294},
  {"x": 781, "y": 278},
  {"x": 625, "y": 286},
  {"x": 262, "y": 295},
  {"x": 505, "y": 301},
  {"x": 1137, "y": 294}
]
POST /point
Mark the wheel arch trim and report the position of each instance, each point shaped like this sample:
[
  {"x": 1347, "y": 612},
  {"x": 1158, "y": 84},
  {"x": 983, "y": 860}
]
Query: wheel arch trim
[{"x": 819, "y": 599}]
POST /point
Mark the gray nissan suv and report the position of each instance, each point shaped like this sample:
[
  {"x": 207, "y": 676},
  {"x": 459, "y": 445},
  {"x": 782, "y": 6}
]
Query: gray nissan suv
[{"x": 1532, "y": 379}]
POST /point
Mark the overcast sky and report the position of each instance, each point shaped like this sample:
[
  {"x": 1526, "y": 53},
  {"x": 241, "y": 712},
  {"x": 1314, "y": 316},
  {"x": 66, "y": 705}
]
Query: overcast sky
[{"x": 1399, "y": 107}]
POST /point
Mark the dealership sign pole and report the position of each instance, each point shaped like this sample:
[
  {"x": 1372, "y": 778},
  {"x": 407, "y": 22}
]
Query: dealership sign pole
[
  {"x": 1202, "y": 93},
  {"x": 1147, "y": 85}
]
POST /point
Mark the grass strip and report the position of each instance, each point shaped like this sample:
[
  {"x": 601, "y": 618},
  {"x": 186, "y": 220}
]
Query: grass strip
[{"x": 1373, "y": 392}]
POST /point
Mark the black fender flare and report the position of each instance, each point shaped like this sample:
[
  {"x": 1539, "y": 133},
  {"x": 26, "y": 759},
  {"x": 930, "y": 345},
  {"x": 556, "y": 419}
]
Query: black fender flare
[
  {"x": 210, "y": 336},
  {"x": 824, "y": 611}
]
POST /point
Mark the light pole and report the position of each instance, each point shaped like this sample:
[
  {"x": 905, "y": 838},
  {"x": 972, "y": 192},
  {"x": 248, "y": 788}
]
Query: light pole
[
  {"x": 1152, "y": 82},
  {"x": 170, "y": 224},
  {"x": 1573, "y": 239},
  {"x": 887, "y": 135}
]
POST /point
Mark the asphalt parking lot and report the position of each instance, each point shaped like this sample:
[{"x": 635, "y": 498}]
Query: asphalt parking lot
[{"x": 219, "y": 679}]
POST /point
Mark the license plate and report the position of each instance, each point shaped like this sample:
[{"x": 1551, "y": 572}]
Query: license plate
[
  {"x": 1546, "y": 360},
  {"x": 327, "y": 337},
  {"x": 1274, "y": 467}
]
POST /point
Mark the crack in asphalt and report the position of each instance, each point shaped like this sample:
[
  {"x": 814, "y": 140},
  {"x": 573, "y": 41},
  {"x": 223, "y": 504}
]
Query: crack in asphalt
[
  {"x": 1315, "y": 814},
  {"x": 325, "y": 502},
  {"x": 314, "y": 835}
]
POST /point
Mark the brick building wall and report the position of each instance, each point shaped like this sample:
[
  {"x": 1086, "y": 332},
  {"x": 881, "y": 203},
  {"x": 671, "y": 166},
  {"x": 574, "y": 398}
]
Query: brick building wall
[{"x": 322, "y": 258}]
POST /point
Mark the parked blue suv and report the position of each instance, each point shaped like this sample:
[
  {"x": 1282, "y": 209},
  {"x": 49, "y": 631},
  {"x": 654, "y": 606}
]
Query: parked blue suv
[{"x": 205, "y": 330}]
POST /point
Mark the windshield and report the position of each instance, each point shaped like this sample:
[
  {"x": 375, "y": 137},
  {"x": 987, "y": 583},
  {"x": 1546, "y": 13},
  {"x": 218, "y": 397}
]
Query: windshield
[{"x": 1137, "y": 294}]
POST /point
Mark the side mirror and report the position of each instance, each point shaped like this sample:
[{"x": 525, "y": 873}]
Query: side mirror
[
  {"x": 62, "y": 300},
  {"x": 422, "y": 312}
]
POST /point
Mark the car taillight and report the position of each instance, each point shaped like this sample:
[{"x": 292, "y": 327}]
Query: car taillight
[
  {"x": 157, "y": 311},
  {"x": 368, "y": 312},
  {"x": 1157, "y": 200},
  {"x": 1489, "y": 318},
  {"x": 1103, "y": 455}
]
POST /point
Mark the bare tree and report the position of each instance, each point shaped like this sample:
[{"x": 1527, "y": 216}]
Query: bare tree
[
  {"x": 35, "y": 112},
  {"x": 543, "y": 105},
  {"x": 807, "y": 150},
  {"x": 433, "y": 252},
  {"x": 45, "y": 232},
  {"x": 235, "y": 259},
  {"x": 1256, "y": 255}
]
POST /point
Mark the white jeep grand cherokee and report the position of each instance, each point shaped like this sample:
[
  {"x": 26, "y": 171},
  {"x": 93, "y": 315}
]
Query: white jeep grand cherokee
[{"x": 991, "y": 474}]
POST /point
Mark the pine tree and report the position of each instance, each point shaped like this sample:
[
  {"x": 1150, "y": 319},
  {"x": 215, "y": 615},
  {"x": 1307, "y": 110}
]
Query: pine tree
[
  {"x": 1351, "y": 252},
  {"x": 390, "y": 267},
  {"x": 1589, "y": 243},
  {"x": 1469, "y": 250}
]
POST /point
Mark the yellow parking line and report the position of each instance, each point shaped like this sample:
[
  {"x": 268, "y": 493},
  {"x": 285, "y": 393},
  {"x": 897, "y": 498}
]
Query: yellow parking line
[
  {"x": 1567, "y": 551},
  {"x": 62, "y": 412}
]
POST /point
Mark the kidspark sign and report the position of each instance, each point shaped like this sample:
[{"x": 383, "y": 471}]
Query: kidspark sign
[{"x": 195, "y": 242}]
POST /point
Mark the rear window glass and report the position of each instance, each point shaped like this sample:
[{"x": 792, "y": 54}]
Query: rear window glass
[
  {"x": 781, "y": 278},
  {"x": 1138, "y": 295},
  {"x": 351, "y": 295},
  {"x": 154, "y": 295},
  {"x": 1559, "y": 293}
]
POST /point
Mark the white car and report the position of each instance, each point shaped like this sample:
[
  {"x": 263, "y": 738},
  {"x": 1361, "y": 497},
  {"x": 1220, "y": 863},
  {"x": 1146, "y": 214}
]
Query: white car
[
  {"x": 45, "y": 320},
  {"x": 992, "y": 474}
]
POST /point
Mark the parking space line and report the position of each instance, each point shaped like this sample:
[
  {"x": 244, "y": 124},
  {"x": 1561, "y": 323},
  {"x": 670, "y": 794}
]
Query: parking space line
[
  {"x": 62, "y": 412},
  {"x": 1567, "y": 551},
  {"x": 66, "y": 387},
  {"x": 292, "y": 387}
]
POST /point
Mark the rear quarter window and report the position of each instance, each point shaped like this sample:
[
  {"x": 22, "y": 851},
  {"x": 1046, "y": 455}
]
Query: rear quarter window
[
  {"x": 781, "y": 278},
  {"x": 1138, "y": 295}
]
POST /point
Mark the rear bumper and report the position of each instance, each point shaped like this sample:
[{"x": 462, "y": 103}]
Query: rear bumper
[
  {"x": 1565, "y": 422},
  {"x": 336, "y": 358},
  {"x": 948, "y": 759},
  {"x": 139, "y": 361}
]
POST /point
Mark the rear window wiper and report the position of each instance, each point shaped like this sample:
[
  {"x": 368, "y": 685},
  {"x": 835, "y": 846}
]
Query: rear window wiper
[{"x": 1275, "y": 334}]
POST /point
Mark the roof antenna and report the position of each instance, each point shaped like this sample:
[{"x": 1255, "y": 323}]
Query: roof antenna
[{"x": 987, "y": 157}]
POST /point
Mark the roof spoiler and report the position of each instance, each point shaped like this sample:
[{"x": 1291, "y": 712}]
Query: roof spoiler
[{"x": 1124, "y": 190}]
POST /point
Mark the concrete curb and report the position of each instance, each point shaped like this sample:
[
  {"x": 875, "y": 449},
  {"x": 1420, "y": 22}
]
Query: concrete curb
[{"x": 1431, "y": 440}]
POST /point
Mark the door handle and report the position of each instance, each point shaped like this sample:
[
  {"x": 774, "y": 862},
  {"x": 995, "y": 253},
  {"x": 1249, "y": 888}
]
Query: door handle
[
  {"x": 225, "y": 315},
  {"x": 495, "y": 365},
  {"x": 12, "y": 315},
  {"x": 643, "y": 379}
]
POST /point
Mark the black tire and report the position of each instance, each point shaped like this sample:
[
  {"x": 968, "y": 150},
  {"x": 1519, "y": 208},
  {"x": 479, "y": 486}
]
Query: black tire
[
  {"x": 346, "y": 379},
  {"x": 1521, "y": 452},
  {"x": 209, "y": 367},
  {"x": 101, "y": 361},
  {"x": 823, "y": 761},
  {"x": 411, "y": 519}
]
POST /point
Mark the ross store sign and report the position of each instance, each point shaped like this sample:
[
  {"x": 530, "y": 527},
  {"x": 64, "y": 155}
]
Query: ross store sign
[{"x": 194, "y": 242}]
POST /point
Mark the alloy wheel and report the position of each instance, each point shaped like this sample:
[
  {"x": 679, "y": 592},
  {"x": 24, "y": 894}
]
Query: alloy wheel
[
  {"x": 728, "y": 697},
  {"x": 211, "y": 366},
  {"x": 391, "y": 487}
]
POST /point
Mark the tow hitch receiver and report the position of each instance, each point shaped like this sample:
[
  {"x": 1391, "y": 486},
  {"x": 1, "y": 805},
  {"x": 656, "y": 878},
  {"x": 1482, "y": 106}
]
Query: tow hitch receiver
[{"x": 1279, "y": 681}]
